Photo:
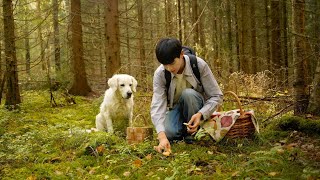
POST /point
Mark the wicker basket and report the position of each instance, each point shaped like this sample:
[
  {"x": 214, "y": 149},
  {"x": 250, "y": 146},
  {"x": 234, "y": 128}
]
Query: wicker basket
[
  {"x": 138, "y": 134},
  {"x": 243, "y": 127}
]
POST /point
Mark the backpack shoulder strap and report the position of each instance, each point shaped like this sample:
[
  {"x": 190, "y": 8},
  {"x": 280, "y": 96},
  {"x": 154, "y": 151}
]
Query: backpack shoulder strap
[
  {"x": 167, "y": 75},
  {"x": 194, "y": 66}
]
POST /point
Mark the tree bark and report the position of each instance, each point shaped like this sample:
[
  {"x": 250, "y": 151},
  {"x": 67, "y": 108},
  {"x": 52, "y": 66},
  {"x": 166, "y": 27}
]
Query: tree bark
[
  {"x": 56, "y": 34},
  {"x": 244, "y": 35},
  {"x": 230, "y": 55},
  {"x": 300, "y": 61},
  {"x": 254, "y": 58},
  {"x": 42, "y": 54},
  {"x": 13, "y": 94},
  {"x": 80, "y": 84},
  {"x": 142, "y": 55},
  {"x": 268, "y": 49},
  {"x": 314, "y": 103},
  {"x": 112, "y": 48},
  {"x": 276, "y": 58},
  {"x": 195, "y": 16},
  {"x": 179, "y": 21}
]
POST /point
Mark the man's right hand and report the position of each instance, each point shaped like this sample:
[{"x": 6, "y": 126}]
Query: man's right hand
[{"x": 164, "y": 144}]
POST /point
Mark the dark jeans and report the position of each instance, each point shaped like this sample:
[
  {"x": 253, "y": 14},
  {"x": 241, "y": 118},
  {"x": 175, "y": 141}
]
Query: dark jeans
[{"x": 190, "y": 102}]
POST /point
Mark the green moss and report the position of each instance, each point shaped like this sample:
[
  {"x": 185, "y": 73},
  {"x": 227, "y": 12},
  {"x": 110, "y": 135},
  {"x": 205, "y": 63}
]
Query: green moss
[{"x": 299, "y": 124}]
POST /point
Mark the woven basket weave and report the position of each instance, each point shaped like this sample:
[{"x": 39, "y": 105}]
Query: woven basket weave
[
  {"x": 243, "y": 127},
  {"x": 138, "y": 134}
]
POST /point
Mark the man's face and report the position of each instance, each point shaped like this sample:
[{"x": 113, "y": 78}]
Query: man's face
[{"x": 177, "y": 66}]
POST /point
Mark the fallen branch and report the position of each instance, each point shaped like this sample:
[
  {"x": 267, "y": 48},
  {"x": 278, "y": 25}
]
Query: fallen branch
[{"x": 285, "y": 109}]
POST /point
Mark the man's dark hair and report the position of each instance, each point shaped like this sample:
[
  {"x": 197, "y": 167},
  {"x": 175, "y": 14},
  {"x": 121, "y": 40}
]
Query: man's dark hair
[{"x": 167, "y": 50}]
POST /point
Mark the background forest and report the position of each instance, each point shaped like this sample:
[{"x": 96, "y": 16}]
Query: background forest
[
  {"x": 80, "y": 44},
  {"x": 56, "y": 57}
]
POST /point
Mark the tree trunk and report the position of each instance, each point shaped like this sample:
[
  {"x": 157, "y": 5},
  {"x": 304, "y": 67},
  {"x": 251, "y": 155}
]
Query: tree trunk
[
  {"x": 195, "y": 23},
  {"x": 112, "y": 49},
  {"x": 230, "y": 55},
  {"x": 314, "y": 103},
  {"x": 300, "y": 60},
  {"x": 80, "y": 84},
  {"x": 127, "y": 36},
  {"x": 254, "y": 58},
  {"x": 179, "y": 21},
  {"x": 13, "y": 94},
  {"x": 169, "y": 18},
  {"x": 43, "y": 62},
  {"x": 142, "y": 55},
  {"x": 276, "y": 58},
  {"x": 244, "y": 35},
  {"x": 285, "y": 42},
  {"x": 27, "y": 41},
  {"x": 56, "y": 34},
  {"x": 268, "y": 49}
]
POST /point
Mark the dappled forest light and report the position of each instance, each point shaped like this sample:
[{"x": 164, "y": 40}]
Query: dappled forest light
[
  {"x": 57, "y": 56},
  {"x": 81, "y": 44}
]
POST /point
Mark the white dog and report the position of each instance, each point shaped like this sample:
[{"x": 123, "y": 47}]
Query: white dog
[{"x": 118, "y": 100}]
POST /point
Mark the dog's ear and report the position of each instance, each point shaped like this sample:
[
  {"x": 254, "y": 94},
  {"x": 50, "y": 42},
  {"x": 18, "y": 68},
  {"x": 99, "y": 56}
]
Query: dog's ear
[
  {"x": 134, "y": 84},
  {"x": 113, "y": 82}
]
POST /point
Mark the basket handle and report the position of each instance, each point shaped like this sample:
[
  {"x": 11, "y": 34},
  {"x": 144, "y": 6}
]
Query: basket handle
[
  {"x": 238, "y": 102},
  {"x": 134, "y": 120}
]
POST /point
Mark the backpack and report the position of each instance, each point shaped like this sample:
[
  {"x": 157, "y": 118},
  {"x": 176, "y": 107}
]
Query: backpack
[{"x": 194, "y": 65}]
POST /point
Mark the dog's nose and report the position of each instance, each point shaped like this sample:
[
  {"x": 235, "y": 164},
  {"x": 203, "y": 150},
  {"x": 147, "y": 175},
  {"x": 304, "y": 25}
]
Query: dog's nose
[{"x": 129, "y": 94}]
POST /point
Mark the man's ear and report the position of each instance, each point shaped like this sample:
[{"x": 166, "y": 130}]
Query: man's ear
[
  {"x": 134, "y": 84},
  {"x": 113, "y": 82}
]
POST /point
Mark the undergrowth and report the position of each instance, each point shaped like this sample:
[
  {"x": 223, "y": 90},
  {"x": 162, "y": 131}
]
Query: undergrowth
[{"x": 43, "y": 142}]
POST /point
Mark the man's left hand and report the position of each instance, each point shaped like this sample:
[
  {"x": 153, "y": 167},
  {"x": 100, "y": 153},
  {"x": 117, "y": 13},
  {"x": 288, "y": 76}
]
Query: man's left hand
[{"x": 194, "y": 123}]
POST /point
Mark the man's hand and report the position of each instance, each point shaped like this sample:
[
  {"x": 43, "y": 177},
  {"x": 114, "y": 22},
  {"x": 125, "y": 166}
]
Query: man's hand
[
  {"x": 164, "y": 144},
  {"x": 194, "y": 123}
]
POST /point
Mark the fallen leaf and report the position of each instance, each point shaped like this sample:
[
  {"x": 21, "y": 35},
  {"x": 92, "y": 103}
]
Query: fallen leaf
[
  {"x": 32, "y": 177},
  {"x": 235, "y": 174},
  {"x": 126, "y": 174},
  {"x": 137, "y": 163},
  {"x": 149, "y": 157},
  {"x": 273, "y": 173}
]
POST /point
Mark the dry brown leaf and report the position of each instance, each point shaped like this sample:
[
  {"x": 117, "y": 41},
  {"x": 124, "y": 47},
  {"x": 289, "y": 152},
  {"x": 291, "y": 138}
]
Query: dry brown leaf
[
  {"x": 137, "y": 163},
  {"x": 273, "y": 173},
  {"x": 149, "y": 157}
]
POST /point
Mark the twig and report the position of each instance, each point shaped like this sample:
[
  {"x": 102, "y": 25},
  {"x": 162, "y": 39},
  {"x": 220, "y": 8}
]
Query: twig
[{"x": 286, "y": 109}]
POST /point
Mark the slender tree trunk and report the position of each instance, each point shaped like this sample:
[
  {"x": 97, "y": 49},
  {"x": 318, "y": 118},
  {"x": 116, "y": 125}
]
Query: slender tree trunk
[
  {"x": 169, "y": 17},
  {"x": 230, "y": 56},
  {"x": 80, "y": 84},
  {"x": 56, "y": 34},
  {"x": 268, "y": 48},
  {"x": 254, "y": 58},
  {"x": 127, "y": 35},
  {"x": 142, "y": 56},
  {"x": 112, "y": 38},
  {"x": 195, "y": 23},
  {"x": 277, "y": 62},
  {"x": 43, "y": 63},
  {"x": 202, "y": 35},
  {"x": 244, "y": 35},
  {"x": 300, "y": 60},
  {"x": 27, "y": 41},
  {"x": 13, "y": 93},
  {"x": 180, "y": 20},
  {"x": 285, "y": 42},
  {"x": 314, "y": 103}
]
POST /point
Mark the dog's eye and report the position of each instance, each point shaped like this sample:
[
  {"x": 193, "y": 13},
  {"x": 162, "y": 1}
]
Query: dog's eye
[
  {"x": 122, "y": 85},
  {"x": 130, "y": 84}
]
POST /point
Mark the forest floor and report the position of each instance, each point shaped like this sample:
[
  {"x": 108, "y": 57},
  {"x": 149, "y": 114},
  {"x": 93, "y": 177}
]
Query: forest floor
[{"x": 39, "y": 141}]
